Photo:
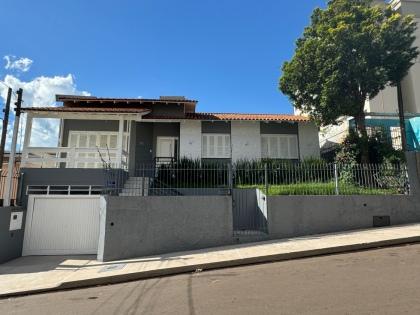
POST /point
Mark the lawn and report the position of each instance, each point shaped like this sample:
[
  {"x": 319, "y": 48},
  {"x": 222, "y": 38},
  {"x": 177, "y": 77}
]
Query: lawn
[{"x": 317, "y": 188}]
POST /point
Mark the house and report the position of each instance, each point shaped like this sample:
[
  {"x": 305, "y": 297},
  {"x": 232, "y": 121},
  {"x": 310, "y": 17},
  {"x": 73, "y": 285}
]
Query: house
[
  {"x": 130, "y": 133},
  {"x": 382, "y": 111},
  {"x": 121, "y": 147}
]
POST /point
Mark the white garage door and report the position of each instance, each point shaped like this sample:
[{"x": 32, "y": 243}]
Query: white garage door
[{"x": 61, "y": 225}]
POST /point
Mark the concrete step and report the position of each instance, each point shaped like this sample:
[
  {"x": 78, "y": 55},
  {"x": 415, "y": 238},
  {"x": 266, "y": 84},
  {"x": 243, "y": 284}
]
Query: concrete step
[
  {"x": 134, "y": 181},
  {"x": 133, "y": 193},
  {"x": 136, "y": 185},
  {"x": 249, "y": 236},
  {"x": 133, "y": 190},
  {"x": 146, "y": 180}
]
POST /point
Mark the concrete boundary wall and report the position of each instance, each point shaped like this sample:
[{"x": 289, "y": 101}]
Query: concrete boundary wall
[
  {"x": 292, "y": 216},
  {"x": 142, "y": 226},
  {"x": 11, "y": 242}
]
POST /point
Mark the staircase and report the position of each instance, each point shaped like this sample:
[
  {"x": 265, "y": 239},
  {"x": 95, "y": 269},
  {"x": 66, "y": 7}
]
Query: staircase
[{"x": 136, "y": 186}]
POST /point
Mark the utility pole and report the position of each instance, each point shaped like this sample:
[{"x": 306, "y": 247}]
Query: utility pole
[
  {"x": 9, "y": 181},
  {"x": 5, "y": 123},
  {"x": 401, "y": 116}
]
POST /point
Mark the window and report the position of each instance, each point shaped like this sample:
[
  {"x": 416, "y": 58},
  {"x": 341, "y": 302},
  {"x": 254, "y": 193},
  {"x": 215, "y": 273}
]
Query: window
[
  {"x": 396, "y": 138},
  {"x": 279, "y": 147},
  {"x": 216, "y": 146},
  {"x": 95, "y": 139}
]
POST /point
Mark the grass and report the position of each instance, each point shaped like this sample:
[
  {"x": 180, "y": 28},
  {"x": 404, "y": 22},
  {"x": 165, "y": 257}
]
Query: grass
[{"x": 316, "y": 188}]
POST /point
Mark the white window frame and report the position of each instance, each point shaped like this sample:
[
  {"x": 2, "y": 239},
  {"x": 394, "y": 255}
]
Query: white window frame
[
  {"x": 277, "y": 153},
  {"x": 223, "y": 151},
  {"x": 98, "y": 134},
  {"x": 396, "y": 137}
]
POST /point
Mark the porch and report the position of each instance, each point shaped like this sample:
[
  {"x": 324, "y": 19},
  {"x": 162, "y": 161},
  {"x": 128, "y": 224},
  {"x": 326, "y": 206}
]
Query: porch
[{"x": 93, "y": 140}]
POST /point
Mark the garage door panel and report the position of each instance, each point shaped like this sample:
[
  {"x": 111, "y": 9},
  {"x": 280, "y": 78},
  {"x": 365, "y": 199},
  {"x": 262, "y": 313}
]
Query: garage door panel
[{"x": 62, "y": 225}]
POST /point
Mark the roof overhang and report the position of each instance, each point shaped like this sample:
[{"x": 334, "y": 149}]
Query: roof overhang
[
  {"x": 104, "y": 100},
  {"x": 86, "y": 112},
  {"x": 234, "y": 117}
]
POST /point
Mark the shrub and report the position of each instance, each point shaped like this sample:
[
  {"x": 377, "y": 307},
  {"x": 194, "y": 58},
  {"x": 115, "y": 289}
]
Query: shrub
[{"x": 380, "y": 150}]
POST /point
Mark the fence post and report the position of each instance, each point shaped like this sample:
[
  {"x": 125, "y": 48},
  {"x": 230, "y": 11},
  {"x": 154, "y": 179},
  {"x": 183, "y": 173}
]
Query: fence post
[
  {"x": 337, "y": 192},
  {"x": 230, "y": 170},
  {"x": 266, "y": 178}
]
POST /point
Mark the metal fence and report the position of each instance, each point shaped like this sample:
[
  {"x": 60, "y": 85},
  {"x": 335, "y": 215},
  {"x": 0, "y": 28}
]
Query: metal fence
[
  {"x": 272, "y": 178},
  {"x": 14, "y": 186}
]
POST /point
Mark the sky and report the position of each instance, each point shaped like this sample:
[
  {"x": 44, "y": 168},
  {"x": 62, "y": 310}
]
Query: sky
[{"x": 227, "y": 54}]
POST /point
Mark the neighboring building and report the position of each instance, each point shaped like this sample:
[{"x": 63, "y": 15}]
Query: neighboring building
[
  {"x": 134, "y": 132},
  {"x": 15, "y": 177},
  {"x": 382, "y": 111}
]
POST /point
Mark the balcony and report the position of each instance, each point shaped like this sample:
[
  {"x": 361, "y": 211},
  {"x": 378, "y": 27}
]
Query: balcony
[{"x": 72, "y": 157}]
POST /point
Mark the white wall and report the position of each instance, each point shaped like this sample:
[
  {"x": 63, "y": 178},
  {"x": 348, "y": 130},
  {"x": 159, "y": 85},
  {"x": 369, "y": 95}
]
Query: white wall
[
  {"x": 411, "y": 84},
  {"x": 333, "y": 134},
  {"x": 246, "y": 140},
  {"x": 385, "y": 102},
  {"x": 308, "y": 141},
  {"x": 190, "y": 139}
]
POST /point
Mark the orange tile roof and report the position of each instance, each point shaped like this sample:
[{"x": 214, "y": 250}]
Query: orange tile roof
[
  {"x": 232, "y": 117},
  {"x": 251, "y": 117}
]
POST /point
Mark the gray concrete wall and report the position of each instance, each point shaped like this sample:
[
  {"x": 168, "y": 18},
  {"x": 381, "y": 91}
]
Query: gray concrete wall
[
  {"x": 11, "y": 242},
  {"x": 167, "y": 110},
  {"x": 278, "y": 128},
  {"x": 215, "y": 127},
  {"x": 144, "y": 143},
  {"x": 87, "y": 125},
  {"x": 60, "y": 176},
  {"x": 141, "y": 226},
  {"x": 291, "y": 216},
  {"x": 132, "y": 153},
  {"x": 146, "y": 139}
]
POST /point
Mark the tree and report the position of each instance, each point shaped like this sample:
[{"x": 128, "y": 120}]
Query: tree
[{"x": 350, "y": 52}]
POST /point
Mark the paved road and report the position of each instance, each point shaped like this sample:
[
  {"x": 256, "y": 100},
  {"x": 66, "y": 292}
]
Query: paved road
[{"x": 382, "y": 281}]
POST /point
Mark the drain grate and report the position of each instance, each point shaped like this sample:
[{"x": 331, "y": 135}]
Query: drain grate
[{"x": 112, "y": 268}]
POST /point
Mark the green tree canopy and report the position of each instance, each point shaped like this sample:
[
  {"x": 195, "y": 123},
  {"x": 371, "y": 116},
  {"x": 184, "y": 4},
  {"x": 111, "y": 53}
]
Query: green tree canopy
[{"x": 350, "y": 52}]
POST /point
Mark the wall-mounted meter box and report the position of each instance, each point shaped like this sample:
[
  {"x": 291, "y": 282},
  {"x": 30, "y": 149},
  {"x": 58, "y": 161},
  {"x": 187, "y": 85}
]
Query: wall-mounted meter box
[{"x": 16, "y": 221}]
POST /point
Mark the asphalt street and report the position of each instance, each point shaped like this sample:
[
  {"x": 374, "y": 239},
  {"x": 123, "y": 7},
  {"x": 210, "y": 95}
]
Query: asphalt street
[{"x": 381, "y": 281}]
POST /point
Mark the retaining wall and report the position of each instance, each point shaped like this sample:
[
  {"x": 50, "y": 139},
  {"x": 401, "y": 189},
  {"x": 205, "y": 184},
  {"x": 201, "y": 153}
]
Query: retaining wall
[
  {"x": 141, "y": 226},
  {"x": 291, "y": 216}
]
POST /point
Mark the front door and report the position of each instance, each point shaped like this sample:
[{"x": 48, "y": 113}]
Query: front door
[{"x": 167, "y": 148}]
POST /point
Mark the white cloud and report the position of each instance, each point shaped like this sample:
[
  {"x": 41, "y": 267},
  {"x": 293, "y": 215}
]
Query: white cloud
[
  {"x": 40, "y": 92},
  {"x": 20, "y": 64}
]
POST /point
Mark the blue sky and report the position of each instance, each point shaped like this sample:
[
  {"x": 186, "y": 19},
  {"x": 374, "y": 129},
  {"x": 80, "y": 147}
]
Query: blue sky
[{"x": 227, "y": 54}]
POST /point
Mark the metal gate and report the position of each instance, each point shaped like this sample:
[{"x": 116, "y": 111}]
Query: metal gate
[
  {"x": 249, "y": 208},
  {"x": 61, "y": 225}
]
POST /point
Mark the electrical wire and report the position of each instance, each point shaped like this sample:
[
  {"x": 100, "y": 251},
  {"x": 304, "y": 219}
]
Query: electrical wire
[
  {"x": 9, "y": 87},
  {"x": 14, "y": 93}
]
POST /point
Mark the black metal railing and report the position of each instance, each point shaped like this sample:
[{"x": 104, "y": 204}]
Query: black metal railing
[{"x": 272, "y": 178}]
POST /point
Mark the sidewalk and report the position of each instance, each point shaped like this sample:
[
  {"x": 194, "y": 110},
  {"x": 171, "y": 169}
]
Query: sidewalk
[{"x": 48, "y": 273}]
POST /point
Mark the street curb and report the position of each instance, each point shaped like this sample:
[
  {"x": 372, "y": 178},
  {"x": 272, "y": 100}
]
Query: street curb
[{"x": 141, "y": 275}]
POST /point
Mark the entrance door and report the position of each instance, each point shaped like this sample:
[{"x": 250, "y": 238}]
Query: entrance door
[
  {"x": 167, "y": 148},
  {"x": 249, "y": 209}
]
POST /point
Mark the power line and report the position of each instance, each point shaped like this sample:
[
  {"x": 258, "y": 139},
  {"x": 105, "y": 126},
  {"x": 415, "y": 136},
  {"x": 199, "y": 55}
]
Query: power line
[{"x": 15, "y": 94}]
